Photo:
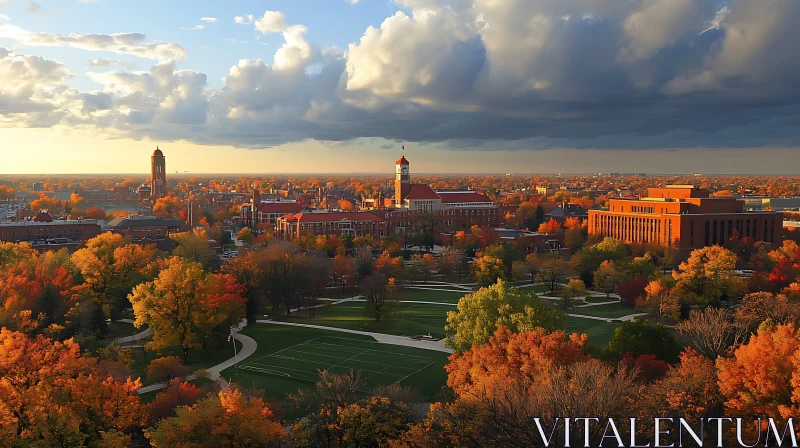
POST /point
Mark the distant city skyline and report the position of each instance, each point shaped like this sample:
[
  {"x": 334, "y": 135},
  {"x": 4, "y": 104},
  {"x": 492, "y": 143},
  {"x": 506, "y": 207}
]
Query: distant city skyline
[{"x": 339, "y": 85}]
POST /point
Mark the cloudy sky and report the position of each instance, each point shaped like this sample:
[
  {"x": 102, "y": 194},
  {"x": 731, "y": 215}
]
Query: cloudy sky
[{"x": 340, "y": 85}]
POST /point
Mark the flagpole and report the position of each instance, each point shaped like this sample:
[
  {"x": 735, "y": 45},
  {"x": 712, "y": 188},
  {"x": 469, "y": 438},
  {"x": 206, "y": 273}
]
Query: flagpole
[{"x": 235, "y": 361}]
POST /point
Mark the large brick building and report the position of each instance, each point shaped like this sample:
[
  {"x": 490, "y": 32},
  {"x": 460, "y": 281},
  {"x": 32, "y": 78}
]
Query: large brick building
[
  {"x": 147, "y": 229},
  {"x": 336, "y": 224},
  {"x": 259, "y": 212},
  {"x": 50, "y": 234},
  {"x": 683, "y": 217},
  {"x": 452, "y": 210}
]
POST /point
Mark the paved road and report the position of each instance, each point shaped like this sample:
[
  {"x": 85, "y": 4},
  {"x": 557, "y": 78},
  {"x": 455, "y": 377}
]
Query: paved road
[{"x": 380, "y": 337}]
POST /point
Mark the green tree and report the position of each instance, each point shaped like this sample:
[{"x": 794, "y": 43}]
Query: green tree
[
  {"x": 480, "y": 314},
  {"x": 640, "y": 337},
  {"x": 246, "y": 236}
]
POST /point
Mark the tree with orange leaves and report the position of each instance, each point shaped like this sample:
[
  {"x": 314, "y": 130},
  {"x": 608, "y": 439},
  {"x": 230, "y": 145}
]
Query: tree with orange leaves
[
  {"x": 52, "y": 395},
  {"x": 167, "y": 207},
  {"x": 502, "y": 386},
  {"x": 549, "y": 227},
  {"x": 178, "y": 393},
  {"x": 229, "y": 419},
  {"x": 111, "y": 265},
  {"x": 763, "y": 376},
  {"x": 183, "y": 305}
]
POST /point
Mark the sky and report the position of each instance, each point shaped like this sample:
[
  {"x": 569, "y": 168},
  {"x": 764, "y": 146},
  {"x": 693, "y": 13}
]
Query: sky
[{"x": 314, "y": 86}]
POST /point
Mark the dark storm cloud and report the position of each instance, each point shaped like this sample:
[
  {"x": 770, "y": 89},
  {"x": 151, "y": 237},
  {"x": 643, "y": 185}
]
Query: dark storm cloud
[{"x": 483, "y": 75}]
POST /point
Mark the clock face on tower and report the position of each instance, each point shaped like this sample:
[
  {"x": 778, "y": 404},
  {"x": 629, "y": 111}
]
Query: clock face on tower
[{"x": 402, "y": 169}]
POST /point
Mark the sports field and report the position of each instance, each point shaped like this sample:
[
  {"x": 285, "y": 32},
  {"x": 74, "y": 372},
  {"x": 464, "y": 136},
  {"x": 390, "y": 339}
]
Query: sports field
[
  {"x": 379, "y": 364},
  {"x": 288, "y": 359}
]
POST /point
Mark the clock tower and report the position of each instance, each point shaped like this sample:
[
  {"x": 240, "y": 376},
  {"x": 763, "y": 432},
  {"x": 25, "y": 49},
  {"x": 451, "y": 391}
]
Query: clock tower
[{"x": 402, "y": 180}]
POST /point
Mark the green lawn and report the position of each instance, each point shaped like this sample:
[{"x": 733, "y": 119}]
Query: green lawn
[
  {"x": 599, "y": 332},
  {"x": 198, "y": 359},
  {"x": 421, "y": 295},
  {"x": 289, "y": 358},
  {"x": 121, "y": 329},
  {"x": 611, "y": 311},
  {"x": 412, "y": 319}
]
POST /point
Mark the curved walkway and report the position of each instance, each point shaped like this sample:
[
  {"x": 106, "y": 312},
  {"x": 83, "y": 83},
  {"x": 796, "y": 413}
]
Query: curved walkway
[
  {"x": 404, "y": 341},
  {"x": 249, "y": 346}
]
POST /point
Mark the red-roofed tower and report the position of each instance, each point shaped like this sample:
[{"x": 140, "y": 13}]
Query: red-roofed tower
[{"x": 402, "y": 180}]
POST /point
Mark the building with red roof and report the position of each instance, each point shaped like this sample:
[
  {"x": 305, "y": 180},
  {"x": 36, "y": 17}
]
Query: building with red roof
[
  {"x": 259, "y": 212},
  {"x": 327, "y": 223},
  {"x": 453, "y": 210}
]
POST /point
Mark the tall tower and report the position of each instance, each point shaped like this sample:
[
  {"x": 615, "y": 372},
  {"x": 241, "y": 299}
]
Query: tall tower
[
  {"x": 158, "y": 175},
  {"x": 402, "y": 180}
]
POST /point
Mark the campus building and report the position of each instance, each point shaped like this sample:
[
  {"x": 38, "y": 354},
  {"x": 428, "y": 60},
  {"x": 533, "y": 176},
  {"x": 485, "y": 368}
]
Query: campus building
[
  {"x": 260, "y": 212},
  {"x": 452, "y": 210},
  {"x": 290, "y": 227},
  {"x": 684, "y": 218},
  {"x": 147, "y": 229},
  {"x": 46, "y": 234}
]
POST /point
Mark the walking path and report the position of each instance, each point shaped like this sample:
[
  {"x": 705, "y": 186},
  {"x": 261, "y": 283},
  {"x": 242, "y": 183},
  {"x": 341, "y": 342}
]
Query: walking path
[
  {"x": 609, "y": 319},
  {"x": 380, "y": 337},
  {"x": 249, "y": 346},
  {"x": 439, "y": 289}
]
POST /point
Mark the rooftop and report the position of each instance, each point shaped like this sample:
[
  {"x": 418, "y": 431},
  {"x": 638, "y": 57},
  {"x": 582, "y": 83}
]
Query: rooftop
[{"x": 59, "y": 222}]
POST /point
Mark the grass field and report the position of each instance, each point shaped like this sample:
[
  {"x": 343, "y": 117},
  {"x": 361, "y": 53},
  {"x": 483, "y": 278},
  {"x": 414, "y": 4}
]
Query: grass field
[
  {"x": 599, "y": 332},
  {"x": 289, "y": 358},
  {"x": 412, "y": 319},
  {"x": 198, "y": 358},
  {"x": 611, "y": 311}
]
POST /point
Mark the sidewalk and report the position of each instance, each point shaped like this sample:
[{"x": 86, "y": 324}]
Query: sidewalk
[{"x": 380, "y": 337}]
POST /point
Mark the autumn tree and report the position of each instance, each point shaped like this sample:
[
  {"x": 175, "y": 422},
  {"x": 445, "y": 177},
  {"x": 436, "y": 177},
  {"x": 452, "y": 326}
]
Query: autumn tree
[
  {"x": 246, "y": 236},
  {"x": 378, "y": 289},
  {"x": 759, "y": 307},
  {"x": 193, "y": 246},
  {"x": 708, "y": 275},
  {"x": 532, "y": 266},
  {"x": 713, "y": 331},
  {"x": 689, "y": 390},
  {"x": 552, "y": 272},
  {"x": 480, "y": 314},
  {"x": 574, "y": 291},
  {"x": 502, "y": 386},
  {"x": 662, "y": 299},
  {"x": 549, "y": 227},
  {"x": 449, "y": 261},
  {"x": 363, "y": 259},
  {"x": 761, "y": 378},
  {"x": 344, "y": 270},
  {"x": 165, "y": 369},
  {"x": 167, "y": 207},
  {"x": 52, "y": 395},
  {"x": 391, "y": 267},
  {"x": 488, "y": 270},
  {"x": 184, "y": 304},
  {"x": 111, "y": 266},
  {"x": 606, "y": 278},
  {"x": 229, "y": 419},
  {"x": 178, "y": 393}
]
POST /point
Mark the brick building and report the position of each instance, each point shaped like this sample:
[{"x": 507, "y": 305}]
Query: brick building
[
  {"x": 50, "y": 234},
  {"x": 259, "y": 212},
  {"x": 147, "y": 229},
  {"x": 683, "y": 217},
  {"x": 290, "y": 227}
]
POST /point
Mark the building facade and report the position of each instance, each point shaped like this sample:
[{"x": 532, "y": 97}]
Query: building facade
[
  {"x": 259, "y": 212},
  {"x": 158, "y": 175},
  {"x": 684, "y": 218},
  {"x": 290, "y": 227},
  {"x": 146, "y": 229},
  {"x": 50, "y": 234}
]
